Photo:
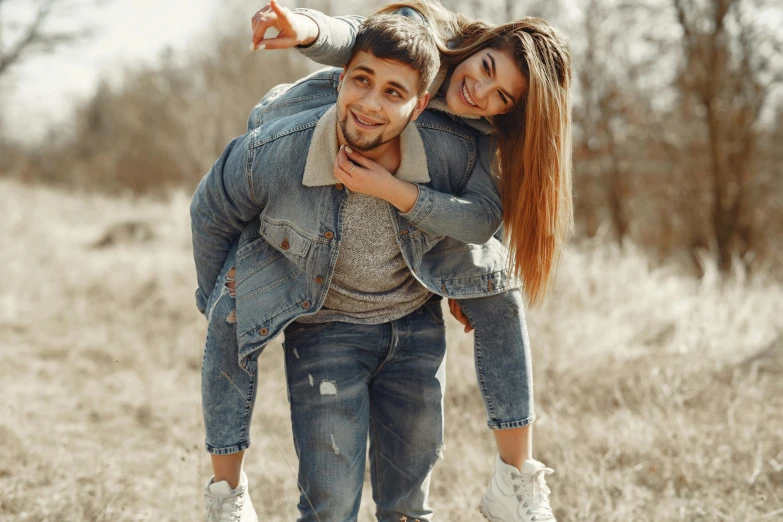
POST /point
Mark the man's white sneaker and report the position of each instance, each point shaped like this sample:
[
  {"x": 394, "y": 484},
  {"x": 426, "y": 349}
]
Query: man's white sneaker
[
  {"x": 229, "y": 505},
  {"x": 517, "y": 496}
]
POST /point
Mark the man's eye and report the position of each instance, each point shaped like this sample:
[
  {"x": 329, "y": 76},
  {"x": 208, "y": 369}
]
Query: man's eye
[
  {"x": 362, "y": 79},
  {"x": 393, "y": 93}
]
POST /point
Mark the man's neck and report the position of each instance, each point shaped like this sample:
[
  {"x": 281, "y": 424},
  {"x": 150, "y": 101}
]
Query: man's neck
[{"x": 387, "y": 155}]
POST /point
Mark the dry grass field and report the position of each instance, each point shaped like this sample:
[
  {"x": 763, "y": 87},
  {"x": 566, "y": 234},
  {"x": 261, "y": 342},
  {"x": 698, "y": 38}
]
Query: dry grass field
[{"x": 659, "y": 397}]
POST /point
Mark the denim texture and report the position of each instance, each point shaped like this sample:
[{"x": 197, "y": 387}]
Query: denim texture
[
  {"x": 228, "y": 391},
  {"x": 502, "y": 345},
  {"x": 346, "y": 381},
  {"x": 289, "y": 234},
  {"x": 502, "y": 356}
]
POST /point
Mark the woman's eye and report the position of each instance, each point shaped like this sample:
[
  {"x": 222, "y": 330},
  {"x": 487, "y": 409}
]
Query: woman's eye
[
  {"x": 486, "y": 66},
  {"x": 503, "y": 98},
  {"x": 393, "y": 93},
  {"x": 362, "y": 79}
]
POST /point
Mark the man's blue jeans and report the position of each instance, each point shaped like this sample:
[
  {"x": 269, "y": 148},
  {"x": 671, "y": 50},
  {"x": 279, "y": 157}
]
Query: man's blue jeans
[{"x": 345, "y": 381}]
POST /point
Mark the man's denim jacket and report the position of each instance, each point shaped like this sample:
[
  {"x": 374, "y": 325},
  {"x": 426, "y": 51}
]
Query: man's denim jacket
[{"x": 289, "y": 234}]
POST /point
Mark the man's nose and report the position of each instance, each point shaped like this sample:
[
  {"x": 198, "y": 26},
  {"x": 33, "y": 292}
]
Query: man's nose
[{"x": 371, "y": 101}]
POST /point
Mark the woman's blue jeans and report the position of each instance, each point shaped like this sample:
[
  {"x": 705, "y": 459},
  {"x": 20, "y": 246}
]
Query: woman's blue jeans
[{"x": 502, "y": 354}]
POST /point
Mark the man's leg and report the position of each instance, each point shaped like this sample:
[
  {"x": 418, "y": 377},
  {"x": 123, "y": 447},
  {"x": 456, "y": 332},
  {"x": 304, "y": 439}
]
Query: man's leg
[
  {"x": 406, "y": 409},
  {"x": 328, "y": 367}
]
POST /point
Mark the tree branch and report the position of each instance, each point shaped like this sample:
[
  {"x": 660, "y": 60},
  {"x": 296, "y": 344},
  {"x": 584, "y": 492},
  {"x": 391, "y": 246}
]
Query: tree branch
[{"x": 36, "y": 37}]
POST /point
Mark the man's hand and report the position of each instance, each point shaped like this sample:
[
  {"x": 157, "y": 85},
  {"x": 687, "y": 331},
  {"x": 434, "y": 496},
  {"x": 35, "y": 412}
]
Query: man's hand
[
  {"x": 293, "y": 29},
  {"x": 363, "y": 175},
  {"x": 456, "y": 311}
]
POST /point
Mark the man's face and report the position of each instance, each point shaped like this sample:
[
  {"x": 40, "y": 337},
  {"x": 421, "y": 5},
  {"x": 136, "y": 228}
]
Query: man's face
[{"x": 377, "y": 99}]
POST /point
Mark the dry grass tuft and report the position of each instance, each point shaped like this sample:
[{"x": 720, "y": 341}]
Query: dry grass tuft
[{"x": 659, "y": 397}]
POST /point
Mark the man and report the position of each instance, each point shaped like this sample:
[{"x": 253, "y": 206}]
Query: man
[{"x": 365, "y": 353}]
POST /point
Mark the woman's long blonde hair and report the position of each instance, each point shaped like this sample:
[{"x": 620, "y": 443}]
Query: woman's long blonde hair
[{"x": 533, "y": 140}]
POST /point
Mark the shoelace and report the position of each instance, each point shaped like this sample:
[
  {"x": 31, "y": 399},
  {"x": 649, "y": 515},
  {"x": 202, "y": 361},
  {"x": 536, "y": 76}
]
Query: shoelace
[
  {"x": 534, "y": 497},
  {"x": 215, "y": 508}
]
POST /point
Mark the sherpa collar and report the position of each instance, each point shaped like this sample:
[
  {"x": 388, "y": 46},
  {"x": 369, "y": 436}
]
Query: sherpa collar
[{"x": 323, "y": 150}]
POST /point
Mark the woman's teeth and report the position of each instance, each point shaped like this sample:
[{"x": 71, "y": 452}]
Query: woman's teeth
[{"x": 467, "y": 95}]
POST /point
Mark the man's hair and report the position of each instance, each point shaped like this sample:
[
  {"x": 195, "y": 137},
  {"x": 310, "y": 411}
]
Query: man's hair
[{"x": 403, "y": 39}]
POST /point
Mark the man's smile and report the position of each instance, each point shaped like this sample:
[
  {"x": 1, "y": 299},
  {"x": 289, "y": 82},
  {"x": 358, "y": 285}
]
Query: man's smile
[{"x": 364, "y": 122}]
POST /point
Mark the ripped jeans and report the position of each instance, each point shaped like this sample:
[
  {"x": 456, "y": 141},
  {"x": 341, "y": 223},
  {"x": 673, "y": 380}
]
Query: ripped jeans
[
  {"x": 345, "y": 381},
  {"x": 348, "y": 380},
  {"x": 502, "y": 359}
]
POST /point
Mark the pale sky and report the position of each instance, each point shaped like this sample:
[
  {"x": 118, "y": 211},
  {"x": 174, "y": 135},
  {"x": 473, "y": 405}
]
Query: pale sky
[{"x": 42, "y": 90}]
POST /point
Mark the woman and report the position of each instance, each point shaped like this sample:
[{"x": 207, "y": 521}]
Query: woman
[{"x": 511, "y": 81}]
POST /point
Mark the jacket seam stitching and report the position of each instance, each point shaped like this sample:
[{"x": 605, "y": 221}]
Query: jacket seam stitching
[
  {"x": 287, "y": 132},
  {"x": 294, "y": 228},
  {"x": 443, "y": 128},
  {"x": 291, "y": 101}
]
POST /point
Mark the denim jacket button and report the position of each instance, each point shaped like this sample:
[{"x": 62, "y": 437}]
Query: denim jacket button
[
  {"x": 284, "y": 244},
  {"x": 319, "y": 280},
  {"x": 339, "y": 186},
  {"x": 306, "y": 305},
  {"x": 264, "y": 331},
  {"x": 328, "y": 234}
]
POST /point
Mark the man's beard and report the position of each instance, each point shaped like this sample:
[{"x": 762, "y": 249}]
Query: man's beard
[{"x": 356, "y": 142}]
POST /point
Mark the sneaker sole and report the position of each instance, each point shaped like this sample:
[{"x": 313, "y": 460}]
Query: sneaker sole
[{"x": 487, "y": 513}]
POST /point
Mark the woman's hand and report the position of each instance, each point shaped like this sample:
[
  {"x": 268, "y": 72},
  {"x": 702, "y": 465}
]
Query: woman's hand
[
  {"x": 363, "y": 175},
  {"x": 456, "y": 311},
  {"x": 293, "y": 29},
  {"x": 359, "y": 173}
]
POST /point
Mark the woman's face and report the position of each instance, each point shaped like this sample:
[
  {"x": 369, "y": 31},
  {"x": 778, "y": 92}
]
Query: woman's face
[{"x": 488, "y": 83}]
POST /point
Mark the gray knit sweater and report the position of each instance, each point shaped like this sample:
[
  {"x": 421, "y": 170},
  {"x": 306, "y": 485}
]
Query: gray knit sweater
[{"x": 371, "y": 283}]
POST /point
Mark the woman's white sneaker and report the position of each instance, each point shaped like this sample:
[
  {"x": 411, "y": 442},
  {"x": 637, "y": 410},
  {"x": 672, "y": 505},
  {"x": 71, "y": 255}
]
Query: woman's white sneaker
[
  {"x": 229, "y": 505},
  {"x": 518, "y": 496}
]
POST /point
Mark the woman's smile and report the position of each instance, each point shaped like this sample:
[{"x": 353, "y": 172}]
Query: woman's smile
[
  {"x": 466, "y": 97},
  {"x": 487, "y": 83}
]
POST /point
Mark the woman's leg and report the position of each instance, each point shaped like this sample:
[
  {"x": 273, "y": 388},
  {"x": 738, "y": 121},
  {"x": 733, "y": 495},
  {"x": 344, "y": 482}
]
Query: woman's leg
[
  {"x": 228, "y": 390},
  {"x": 517, "y": 491},
  {"x": 515, "y": 445},
  {"x": 228, "y": 468},
  {"x": 504, "y": 371}
]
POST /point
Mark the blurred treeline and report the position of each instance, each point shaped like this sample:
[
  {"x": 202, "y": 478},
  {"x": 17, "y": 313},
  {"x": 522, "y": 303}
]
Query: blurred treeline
[{"x": 678, "y": 120}]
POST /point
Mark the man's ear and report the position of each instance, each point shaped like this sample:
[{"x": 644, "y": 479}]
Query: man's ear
[
  {"x": 342, "y": 75},
  {"x": 421, "y": 104}
]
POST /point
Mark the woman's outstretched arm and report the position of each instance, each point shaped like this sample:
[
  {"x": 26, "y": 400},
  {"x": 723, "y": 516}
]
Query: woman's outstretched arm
[{"x": 324, "y": 39}]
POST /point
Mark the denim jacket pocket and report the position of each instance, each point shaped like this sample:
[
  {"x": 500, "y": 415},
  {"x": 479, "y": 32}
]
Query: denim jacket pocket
[{"x": 287, "y": 240}]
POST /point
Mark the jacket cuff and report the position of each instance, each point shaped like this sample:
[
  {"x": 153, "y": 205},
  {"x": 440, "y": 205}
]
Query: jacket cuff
[
  {"x": 422, "y": 208},
  {"x": 321, "y": 42}
]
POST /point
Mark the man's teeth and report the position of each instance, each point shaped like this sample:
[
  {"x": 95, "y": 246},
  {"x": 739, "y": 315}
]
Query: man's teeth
[
  {"x": 467, "y": 95},
  {"x": 366, "y": 122}
]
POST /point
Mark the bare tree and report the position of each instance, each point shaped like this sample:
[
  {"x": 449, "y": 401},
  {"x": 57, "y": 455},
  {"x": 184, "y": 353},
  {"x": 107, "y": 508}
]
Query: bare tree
[
  {"x": 728, "y": 72},
  {"x": 22, "y": 37}
]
